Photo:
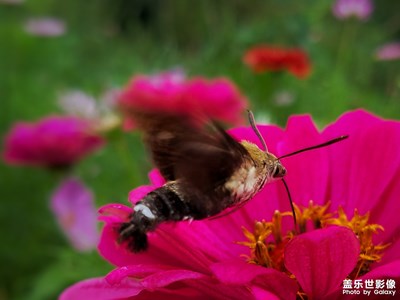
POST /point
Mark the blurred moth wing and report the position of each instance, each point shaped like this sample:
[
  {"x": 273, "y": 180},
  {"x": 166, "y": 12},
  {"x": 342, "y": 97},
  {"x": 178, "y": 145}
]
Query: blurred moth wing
[
  {"x": 207, "y": 171},
  {"x": 209, "y": 174}
]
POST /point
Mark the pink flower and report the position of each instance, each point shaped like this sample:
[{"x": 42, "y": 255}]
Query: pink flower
[
  {"x": 360, "y": 9},
  {"x": 171, "y": 92},
  {"x": 72, "y": 204},
  {"x": 203, "y": 259},
  {"x": 52, "y": 142},
  {"x": 390, "y": 51},
  {"x": 48, "y": 27}
]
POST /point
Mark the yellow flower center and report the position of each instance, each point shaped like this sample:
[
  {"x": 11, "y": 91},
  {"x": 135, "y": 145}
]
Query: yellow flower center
[
  {"x": 369, "y": 252},
  {"x": 267, "y": 242}
]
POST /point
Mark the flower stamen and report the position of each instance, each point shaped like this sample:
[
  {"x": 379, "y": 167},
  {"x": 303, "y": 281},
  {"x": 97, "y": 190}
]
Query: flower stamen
[
  {"x": 369, "y": 252},
  {"x": 267, "y": 242}
]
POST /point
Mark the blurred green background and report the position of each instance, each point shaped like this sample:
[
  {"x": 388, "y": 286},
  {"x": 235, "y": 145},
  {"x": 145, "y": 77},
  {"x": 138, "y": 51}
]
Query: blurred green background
[{"x": 107, "y": 41}]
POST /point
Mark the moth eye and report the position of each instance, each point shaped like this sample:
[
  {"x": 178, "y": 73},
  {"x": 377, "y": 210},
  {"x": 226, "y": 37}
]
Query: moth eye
[{"x": 279, "y": 172}]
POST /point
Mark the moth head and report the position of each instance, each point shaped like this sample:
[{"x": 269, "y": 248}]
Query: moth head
[
  {"x": 271, "y": 165},
  {"x": 278, "y": 170},
  {"x": 265, "y": 162}
]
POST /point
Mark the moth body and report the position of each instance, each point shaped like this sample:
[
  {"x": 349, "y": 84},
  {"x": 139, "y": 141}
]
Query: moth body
[
  {"x": 161, "y": 205},
  {"x": 258, "y": 169},
  {"x": 175, "y": 202},
  {"x": 207, "y": 171}
]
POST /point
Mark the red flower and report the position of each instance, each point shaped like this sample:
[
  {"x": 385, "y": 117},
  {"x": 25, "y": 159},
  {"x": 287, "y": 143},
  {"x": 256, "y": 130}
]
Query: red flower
[
  {"x": 52, "y": 142},
  {"x": 266, "y": 58}
]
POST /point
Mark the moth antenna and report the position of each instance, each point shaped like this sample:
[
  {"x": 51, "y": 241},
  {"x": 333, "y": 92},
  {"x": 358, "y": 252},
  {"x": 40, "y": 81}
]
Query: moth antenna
[
  {"x": 330, "y": 142},
  {"x": 291, "y": 204},
  {"x": 255, "y": 129}
]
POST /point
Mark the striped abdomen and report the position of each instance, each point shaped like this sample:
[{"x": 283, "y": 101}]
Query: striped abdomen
[{"x": 160, "y": 205}]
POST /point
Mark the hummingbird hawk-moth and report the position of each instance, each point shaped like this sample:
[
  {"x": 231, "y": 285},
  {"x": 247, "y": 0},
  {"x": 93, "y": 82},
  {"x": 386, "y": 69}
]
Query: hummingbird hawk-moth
[{"x": 206, "y": 171}]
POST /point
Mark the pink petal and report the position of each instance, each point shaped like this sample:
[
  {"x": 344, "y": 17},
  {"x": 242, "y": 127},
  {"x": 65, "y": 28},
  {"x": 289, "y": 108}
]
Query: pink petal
[
  {"x": 157, "y": 278},
  {"x": 307, "y": 173},
  {"x": 152, "y": 276},
  {"x": 214, "y": 240},
  {"x": 321, "y": 259},
  {"x": 181, "y": 292},
  {"x": 139, "y": 193},
  {"x": 117, "y": 275},
  {"x": 179, "y": 244},
  {"x": 161, "y": 279},
  {"x": 383, "y": 197},
  {"x": 241, "y": 273},
  {"x": 118, "y": 255},
  {"x": 365, "y": 168},
  {"x": 156, "y": 178},
  {"x": 345, "y": 172},
  {"x": 380, "y": 141},
  {"x": 128, "y": 288},
  {"x": 203, "y": 288},
  {"x": 72, "y": 204},
  {"x": 114, "y": 213},
  {"x": 100, "y": 289},
  {"x": 384, "y": 211},
  {"x": 261, "y": 294},
  {"x": 174, "y": 248}
]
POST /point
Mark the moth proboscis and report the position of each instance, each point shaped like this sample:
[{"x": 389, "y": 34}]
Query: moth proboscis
[{"x": 206, "y": 171}]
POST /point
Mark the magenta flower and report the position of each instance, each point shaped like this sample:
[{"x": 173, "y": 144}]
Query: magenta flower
[
  {"x": 72, "y": 204},
  {"x": 171, "y": 92},
  {"x": 48, "y": 27},
  {"x": 360, "y": 9},
  {"x": 390, "y": 51},
  {"x": 52, "y": 142},
  {"x": 357, "y": 179}
]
